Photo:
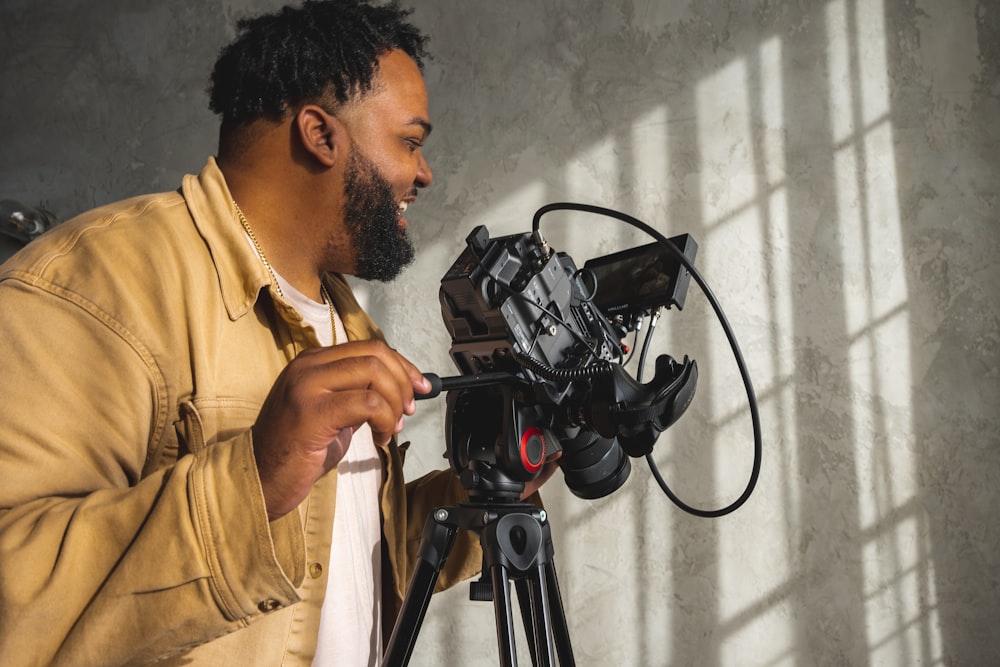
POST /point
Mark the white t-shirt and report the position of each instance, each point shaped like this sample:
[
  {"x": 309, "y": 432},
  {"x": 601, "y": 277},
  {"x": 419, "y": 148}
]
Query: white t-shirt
[{"x": 350, "y": 631}]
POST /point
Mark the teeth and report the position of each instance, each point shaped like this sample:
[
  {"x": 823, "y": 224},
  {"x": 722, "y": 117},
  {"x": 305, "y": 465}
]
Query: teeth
[{"x": 402, "y": 206}]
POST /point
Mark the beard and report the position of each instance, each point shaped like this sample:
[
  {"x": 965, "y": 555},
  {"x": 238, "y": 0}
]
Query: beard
[{"x": 382, "y": 248}]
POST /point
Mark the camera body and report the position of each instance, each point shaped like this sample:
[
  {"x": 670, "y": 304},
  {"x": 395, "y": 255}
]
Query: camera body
[
  {"x": 512, "y": 295},
  {"x": 524, "y": 317}
]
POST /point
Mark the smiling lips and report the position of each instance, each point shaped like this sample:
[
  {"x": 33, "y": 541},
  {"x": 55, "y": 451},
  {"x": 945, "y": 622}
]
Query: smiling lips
[
  {"x": 403, "y": 205},
  {"x": 402, "y": 209}
]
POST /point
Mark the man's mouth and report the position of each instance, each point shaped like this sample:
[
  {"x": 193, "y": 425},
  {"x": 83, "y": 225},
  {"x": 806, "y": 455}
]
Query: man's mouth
[{"x": 405, "y": 204}]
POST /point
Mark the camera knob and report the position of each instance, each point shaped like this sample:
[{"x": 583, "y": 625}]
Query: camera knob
[{"x": 532, "y": 449}]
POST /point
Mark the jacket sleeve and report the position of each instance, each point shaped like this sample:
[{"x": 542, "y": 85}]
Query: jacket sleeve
[{"x": 98, "y": 563}]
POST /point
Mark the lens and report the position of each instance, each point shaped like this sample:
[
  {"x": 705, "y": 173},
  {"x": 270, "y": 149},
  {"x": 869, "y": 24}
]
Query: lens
[{"x": 592, "y": 466}]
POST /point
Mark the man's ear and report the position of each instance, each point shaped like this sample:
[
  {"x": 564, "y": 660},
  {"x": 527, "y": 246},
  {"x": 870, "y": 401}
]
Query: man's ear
[{"x": 321, "y": 133}]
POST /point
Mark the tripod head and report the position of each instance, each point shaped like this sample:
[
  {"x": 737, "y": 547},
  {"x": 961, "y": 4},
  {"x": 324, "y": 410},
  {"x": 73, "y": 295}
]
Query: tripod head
[{"x": 539, "y": 346}]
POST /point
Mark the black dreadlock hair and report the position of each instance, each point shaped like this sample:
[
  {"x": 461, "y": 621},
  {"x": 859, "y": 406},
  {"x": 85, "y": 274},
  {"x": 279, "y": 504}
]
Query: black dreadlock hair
[{"x": 323, "y": 48}]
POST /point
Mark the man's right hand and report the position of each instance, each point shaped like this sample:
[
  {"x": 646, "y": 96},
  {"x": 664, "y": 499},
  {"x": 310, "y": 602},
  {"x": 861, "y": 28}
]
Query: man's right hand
[{"x": 305, "y": 426}]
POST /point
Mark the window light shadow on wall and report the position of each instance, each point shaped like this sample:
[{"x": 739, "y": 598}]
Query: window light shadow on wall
[
  {"x": 900, "y": 616},
  {"x": 884, "y": 556},
  {"x": 844, "y": 571},
  {"x": 744, "y": 193}
]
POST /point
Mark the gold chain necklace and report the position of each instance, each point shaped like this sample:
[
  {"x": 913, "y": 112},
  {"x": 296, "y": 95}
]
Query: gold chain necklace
[
  {"x": 274, "y": 277},
  {"x": 333, "y": 311}
]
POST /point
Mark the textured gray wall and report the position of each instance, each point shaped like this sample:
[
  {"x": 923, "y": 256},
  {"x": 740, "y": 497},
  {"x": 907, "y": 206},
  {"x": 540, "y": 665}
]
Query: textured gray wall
[{"x": 837, "y": 162}]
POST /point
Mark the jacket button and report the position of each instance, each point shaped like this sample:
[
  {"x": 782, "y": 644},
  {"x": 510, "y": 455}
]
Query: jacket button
[
  {"x": 269, "y": 605},
  {"x": 315, "y": 570}
]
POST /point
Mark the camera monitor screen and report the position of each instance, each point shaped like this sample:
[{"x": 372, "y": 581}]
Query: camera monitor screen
[{"x": 642, "y": 278}]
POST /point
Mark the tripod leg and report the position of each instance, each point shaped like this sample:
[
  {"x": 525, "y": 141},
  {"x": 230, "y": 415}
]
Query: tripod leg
[
  {"x": 546, "y": 622},
  {"x": 504, "y": 616},
  {"x": 560, "y": 630},
  {"x": 523, "y": 598},
  {"x": 516, "y": 547},
  {"x": 435, "y": 545},
  {"x": 531, "y": 592}
]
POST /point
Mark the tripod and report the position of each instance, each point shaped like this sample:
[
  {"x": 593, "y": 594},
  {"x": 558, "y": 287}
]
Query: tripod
[{"x": 517, "y": 546}]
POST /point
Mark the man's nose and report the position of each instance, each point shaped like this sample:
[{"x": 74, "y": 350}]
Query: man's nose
[{"x": 424, "y": 175}]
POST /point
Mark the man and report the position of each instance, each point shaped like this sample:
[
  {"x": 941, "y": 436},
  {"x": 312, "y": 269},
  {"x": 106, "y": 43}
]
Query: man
[{"x": 198, "y": 446}]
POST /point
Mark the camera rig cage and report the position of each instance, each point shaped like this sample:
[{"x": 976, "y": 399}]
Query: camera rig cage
[{"x": 539, "y": 346}]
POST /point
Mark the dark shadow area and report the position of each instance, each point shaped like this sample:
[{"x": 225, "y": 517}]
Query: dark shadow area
[{"x": 947, "y": 158}]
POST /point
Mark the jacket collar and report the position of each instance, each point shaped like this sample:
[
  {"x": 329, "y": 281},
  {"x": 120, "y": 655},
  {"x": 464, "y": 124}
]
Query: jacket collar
[{"x": 241, "y": 274}]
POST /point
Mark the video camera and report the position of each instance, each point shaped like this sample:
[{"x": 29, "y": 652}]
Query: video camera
[{"x": 539, "y": 345}]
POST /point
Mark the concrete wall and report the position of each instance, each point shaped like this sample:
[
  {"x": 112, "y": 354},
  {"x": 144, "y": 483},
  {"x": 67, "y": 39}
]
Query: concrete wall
[{"x": 837, "y": 162}]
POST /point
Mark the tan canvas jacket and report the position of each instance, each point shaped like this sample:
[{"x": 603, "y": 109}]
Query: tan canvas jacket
[{"x": 137, "y": 344}]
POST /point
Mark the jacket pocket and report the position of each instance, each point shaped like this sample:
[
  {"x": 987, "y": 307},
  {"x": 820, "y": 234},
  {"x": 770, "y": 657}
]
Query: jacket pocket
[{"x": 203, "y": 422}]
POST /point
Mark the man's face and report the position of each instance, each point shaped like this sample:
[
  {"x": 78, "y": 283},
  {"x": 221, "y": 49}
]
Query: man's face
[{"x": 385, "y": 166}]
